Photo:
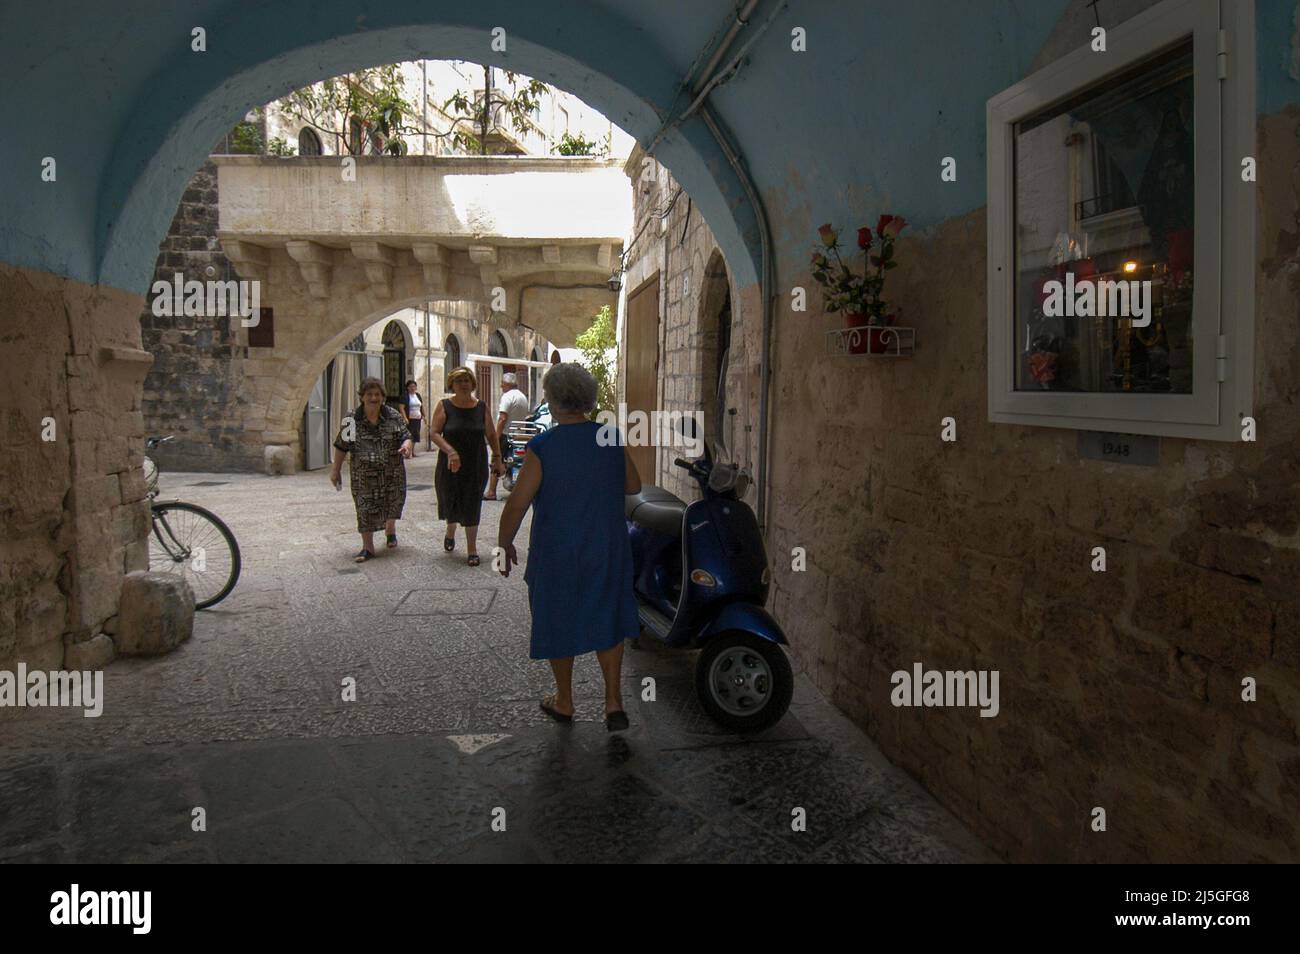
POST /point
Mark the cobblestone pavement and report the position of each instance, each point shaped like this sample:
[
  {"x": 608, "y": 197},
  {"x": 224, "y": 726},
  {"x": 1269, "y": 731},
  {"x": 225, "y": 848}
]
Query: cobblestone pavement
[{"x": 246, "y": 720}]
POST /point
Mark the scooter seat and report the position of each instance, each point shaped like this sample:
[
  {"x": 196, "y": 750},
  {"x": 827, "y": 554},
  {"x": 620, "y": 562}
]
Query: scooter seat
[{"x": 656, "y": 509}]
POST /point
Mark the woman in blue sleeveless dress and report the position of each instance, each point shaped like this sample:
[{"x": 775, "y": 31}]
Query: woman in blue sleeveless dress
[{"x": 579, "y": 572}]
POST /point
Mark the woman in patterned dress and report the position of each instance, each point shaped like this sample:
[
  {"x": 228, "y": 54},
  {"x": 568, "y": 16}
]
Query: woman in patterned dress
[
  {"x": 461, "y": 427},
  {"x": 376, "y": 441}
]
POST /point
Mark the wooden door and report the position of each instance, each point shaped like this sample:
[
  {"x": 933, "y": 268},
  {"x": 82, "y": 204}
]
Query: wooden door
[{"x": 642, "y": 389}]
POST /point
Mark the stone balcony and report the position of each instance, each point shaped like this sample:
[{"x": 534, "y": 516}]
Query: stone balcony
[{"x": 440, "y": 228}]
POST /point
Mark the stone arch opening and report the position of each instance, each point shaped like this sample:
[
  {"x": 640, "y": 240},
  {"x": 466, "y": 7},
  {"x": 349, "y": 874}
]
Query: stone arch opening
[
  {"x": 631, "y": 86},
  {"x": 498, "y": 346},
  {"x": 715, "y": 327},
  {"x": 631, "y": 82},
  {"x": 309, "y": 143},
  {"x": 399, "y": 351},
  {"x": 453, "y": 359}
]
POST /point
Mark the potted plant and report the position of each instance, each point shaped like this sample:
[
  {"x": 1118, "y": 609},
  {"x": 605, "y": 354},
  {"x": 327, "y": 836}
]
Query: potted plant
[{"x": 859, "y": 296}]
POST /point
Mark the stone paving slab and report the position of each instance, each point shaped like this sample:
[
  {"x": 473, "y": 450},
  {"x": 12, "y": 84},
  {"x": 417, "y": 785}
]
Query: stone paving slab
[{"x": 247, "y": 721}]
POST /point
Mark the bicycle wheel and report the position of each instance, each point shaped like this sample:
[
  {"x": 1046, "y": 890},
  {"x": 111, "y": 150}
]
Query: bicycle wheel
[{"x": 196, "y": 544}]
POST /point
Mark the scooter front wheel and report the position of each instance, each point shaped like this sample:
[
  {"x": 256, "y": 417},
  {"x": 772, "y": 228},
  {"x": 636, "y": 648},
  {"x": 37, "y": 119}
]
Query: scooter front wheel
[
  {"x": 744, "y": 682},
  {"x": 508, "y": 481}
]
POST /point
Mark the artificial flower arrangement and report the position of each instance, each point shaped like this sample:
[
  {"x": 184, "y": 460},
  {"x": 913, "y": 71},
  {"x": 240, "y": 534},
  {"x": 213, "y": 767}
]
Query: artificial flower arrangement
[{"x": 859, "y": 296}]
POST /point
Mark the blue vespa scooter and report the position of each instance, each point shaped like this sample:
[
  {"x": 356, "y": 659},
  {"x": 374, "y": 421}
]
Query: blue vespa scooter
[{"x": 701, "y": 578}]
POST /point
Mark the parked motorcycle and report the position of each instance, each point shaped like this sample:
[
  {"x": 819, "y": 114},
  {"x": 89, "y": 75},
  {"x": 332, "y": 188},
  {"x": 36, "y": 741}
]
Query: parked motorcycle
[{"x": 701, "y": 580}]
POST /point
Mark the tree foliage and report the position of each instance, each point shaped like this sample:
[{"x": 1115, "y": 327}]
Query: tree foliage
[
  {"x": 373, "y": 97},
  {"x": 482, "y": 113},
  {"x": 580, "y": 145},
  {"x": 599, "y": 356}
]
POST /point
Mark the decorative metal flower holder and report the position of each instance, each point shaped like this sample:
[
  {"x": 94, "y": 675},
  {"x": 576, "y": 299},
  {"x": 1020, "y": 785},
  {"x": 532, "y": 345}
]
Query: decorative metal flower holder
[{"x": 876, "y": 341}]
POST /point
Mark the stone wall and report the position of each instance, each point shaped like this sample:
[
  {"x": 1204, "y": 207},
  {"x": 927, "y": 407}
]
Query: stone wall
[
  {"x": 1119, "y": 689},
  {"x": 225, "y": 401},
  {"x": 693, "y": 278},
  {"x": 74, "y": 515},
  {"x": 194, "y": 390}
]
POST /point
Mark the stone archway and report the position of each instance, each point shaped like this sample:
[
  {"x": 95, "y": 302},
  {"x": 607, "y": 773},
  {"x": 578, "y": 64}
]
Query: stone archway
[
  {"x": 175, "y": 122},
  {"x": 715, "y": 329},
  {"x": 399, "y": 350}
]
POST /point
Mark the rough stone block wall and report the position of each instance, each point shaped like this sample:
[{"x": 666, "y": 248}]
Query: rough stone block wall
[
  {"x": 1119, "y": 689},
  {"x": 685, "y": 256},
  {"x": 74, "y": 516},
  {"x": 194, "y": 387}
]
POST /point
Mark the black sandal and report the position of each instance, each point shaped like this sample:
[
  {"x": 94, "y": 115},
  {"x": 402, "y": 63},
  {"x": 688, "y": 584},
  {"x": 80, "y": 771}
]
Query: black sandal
[
  {"x": 449, "y": 543},
  {"x": 616, "y": 721},
  {"x": 392, "y": 540},
  {"x": 363, "y": 556},
  {"x": 473, "y": 559},
  {"x": 554, "y": 713}
]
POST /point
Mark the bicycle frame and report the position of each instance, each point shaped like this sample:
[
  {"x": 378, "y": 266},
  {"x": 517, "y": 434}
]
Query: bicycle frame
[{"x": 179, "y": 553}]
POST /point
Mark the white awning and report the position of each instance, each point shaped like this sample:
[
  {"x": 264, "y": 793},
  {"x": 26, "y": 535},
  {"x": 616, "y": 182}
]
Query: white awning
[{"x": 516, "y": 362}]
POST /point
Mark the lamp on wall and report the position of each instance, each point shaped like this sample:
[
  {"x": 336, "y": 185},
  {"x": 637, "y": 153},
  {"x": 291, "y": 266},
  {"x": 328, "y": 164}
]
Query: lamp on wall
[{"x": 615, "y": 280}]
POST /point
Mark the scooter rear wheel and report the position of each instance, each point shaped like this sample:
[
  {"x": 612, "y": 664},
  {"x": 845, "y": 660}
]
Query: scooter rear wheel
[
  {"x": 744, "y": 682},
  {"x": 508, "y": 481}
]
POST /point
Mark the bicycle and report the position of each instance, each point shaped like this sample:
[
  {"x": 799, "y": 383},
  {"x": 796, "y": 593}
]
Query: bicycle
[{"x": 190, "y": 540}]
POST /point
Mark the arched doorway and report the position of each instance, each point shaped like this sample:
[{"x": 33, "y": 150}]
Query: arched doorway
[
  {"x": 489, "y": 372},
  {"x": 451, "y": 359},
  {"x": 715, "y": 353},
  {"x": 395, "y": 361},
  {"x": 309, "y": 143}
]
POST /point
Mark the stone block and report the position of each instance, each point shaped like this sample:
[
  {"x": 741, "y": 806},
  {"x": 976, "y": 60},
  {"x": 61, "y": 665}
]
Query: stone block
[
  {"x": 157, "y": 614},
  {"x": 98, "y": 588},
  {"x": 94, "y": 653},
  {"x": 280, "y": 460},
  {"x": 1276, "y": 709},
  {"x": 1208, "y": 613}
]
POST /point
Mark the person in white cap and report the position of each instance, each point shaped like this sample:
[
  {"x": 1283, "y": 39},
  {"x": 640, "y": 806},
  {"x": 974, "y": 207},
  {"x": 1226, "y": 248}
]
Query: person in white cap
[{"x": 513, "y": 407}]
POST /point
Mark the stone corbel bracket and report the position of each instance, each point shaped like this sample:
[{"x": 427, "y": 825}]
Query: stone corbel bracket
[
  {"x": 379, "y": 261},
  {"x": 315, "y": 262},
  {"x": 250, "y": 260},
  {"x": 129, "y": 362},
  {"x": 485, "y": 257},
  {"x": 436, "y": 263}
]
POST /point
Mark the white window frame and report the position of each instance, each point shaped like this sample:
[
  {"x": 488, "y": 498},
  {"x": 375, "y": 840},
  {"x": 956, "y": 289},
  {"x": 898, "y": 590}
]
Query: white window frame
[{"x": 1223, "y": 315}]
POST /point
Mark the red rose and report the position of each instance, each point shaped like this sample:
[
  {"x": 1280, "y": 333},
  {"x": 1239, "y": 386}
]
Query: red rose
[
  {"x": 864, "y": 237},
  {"x": 884, "y": 221},
  {"x": 894, "y": 225}
]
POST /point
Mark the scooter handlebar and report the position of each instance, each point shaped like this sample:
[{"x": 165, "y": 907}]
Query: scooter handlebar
[{"x": 685, "y": 464}]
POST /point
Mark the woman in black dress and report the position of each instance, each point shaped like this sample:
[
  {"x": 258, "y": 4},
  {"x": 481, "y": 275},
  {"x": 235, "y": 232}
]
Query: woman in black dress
[{"x": 462, "y": 429}]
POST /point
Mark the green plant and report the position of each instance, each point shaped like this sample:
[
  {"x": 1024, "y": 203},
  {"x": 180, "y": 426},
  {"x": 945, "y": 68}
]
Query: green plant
[
  {"x": 579, "y": 145},
  {"x": 280, "y": 147},
  {"x": 246, "y": 138},
  {"x": 597, "y": 345},
  {"x": 370, "y": 97},
  {"x": 480, "y": 112}
]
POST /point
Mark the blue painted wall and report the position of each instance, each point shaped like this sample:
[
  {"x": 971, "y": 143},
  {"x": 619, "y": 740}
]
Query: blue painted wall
[{"x": 858, "y": 122}]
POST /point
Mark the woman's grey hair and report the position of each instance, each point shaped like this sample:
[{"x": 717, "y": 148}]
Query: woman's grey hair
[{"x": 570, "y": 389}]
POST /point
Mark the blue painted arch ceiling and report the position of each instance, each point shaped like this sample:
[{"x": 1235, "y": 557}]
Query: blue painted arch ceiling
[{"x": 115, "y": 94}]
